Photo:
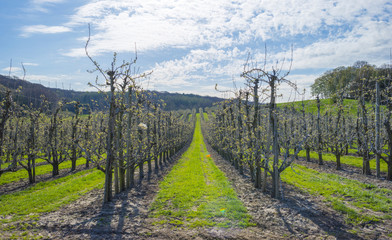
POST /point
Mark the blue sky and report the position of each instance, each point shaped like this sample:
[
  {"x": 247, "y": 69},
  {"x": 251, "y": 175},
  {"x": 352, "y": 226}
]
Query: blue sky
[{"x": 191, "y": 45}]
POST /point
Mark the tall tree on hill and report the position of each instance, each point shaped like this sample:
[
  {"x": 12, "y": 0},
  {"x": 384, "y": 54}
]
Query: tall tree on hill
[{"x": 331, "y": 81}]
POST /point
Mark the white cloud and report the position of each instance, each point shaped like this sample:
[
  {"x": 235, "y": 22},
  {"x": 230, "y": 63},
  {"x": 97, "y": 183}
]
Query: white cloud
[
  {"x": 42, "y": 5},
  {"x": 368, "y": 42},
  {"x": 29, "y": 30},
  {"x": 198, "y": 69},
  {"x": 156, "y": 24},
  {"x": 30, "y": 64},
  {"x": 40, "y": 2},
  {"x": 14, "y": 70},
  {"x": 217, "y": 35},
  {"x": 45, "y": 78}
]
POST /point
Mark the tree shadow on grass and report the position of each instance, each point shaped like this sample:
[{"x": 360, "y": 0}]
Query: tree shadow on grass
[{"x": 325, "y": 219}]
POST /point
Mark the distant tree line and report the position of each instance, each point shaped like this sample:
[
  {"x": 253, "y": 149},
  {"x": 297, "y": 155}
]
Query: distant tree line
[
  {"x": 351, "y": 79},
  {"x": 30, "y": 94}
]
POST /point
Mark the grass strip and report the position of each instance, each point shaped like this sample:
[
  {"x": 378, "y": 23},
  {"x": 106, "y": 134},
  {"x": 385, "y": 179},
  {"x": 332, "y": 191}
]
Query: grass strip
[
  {"x": 51, "y": 195},
  {"x": 350, "y": 105},
  {"x": 347, "y": 159},
  {"x": 37, "y": 161},
  {"x": 205, "y": 116},
  {"x": 196, "y": 193},
  {"x": 9, "y": 177},
  {"x": 348, "y": 196}
]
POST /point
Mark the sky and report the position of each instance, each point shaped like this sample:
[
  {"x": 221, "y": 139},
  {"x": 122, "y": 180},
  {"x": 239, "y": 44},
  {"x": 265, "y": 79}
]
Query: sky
[{"x": 190, "y": 46}]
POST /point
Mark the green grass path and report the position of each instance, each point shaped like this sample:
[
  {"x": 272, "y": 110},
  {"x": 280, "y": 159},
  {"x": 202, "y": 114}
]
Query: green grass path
[{"x": 196, "y": 193}]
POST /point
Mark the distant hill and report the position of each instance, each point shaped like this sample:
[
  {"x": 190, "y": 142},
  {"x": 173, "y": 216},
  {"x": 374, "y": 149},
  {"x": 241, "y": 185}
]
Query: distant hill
[{"x": 30, "y": 94}]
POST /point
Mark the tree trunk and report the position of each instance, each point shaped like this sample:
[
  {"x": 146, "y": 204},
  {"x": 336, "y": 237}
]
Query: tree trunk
[
  {"x": 161, "y": 160},
  {"x": 338, "y": 164},
  {"x": 240, "y": 164},
  {"x": 276, "y": 183},
  {"x": 275, "y": 146},
  {"x": 319, "y": 142},
  {"x": 149, "y": 165},
  {"x": 258, "y": 174},
  {"x": 120, "y": 150},
  {"x": 31, "y": 177},
  {"x": 129, "y": 164},
  {"x": 155, "y": 139},
  {"x": 307, "y": 154},
  {"x": 252, "y": 172},
  {"x": 55, "y": 163},
  {"x": 378, "y": 123},
  {"x": 265, "y": 176},
  {"x": 141, "y": 171},
  {"x": 33, "y": 169},
  {"x": 366, "y": 163},
  {"x": 257, "y": 133},
  {"x": 73, "y": 158},
  {"x": 156, "y": 161},
  {"x": 389, "y": 133},
  {"x": 131, "y": 182},
  {"x": 116, "y": 179},
  {"x": 110, "y": 143},
  {"x": 55, "y": 169},
  {"x": 108, "y": 183},
  {"x": 4, "y": 117}
]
